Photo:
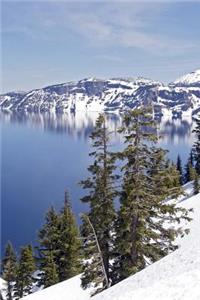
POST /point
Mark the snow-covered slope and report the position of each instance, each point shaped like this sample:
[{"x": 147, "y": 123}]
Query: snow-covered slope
[
  {"x": 66, "y": 290},
  {"x": 113, "y": 95},
  {"x": 89, "y": 94},
  {"x": 175, "y": 277},
  {"x": 191, "y": 79}
]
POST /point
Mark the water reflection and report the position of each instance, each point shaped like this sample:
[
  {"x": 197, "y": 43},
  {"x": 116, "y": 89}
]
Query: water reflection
[{"x": 80, "y": 124}]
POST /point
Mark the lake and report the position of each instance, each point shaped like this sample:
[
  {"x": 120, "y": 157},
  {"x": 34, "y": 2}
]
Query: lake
[{"x": 44, "y": 154}]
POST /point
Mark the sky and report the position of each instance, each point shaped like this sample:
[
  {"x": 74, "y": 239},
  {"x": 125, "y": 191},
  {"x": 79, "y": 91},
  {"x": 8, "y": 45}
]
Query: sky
[{"x": 48, "y": 42}]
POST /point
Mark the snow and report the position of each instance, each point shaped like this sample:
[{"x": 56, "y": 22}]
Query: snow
[
  {"x": 189, "y": 79},
  {"x": 3, "y": 287},
  {"x": 69, "y": 289},
  {"x": 175, "y": 277},
  {"x": 110, "y": 95}
]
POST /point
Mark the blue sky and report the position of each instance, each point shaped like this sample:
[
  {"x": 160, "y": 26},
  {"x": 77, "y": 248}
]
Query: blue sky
[{"x": 47, "y": 42}]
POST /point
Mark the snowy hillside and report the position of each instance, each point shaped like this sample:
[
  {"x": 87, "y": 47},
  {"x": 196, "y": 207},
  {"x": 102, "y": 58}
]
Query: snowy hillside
[
  {"x": 67, "y": 290},
  {"x": 176, "y": 276},
  {"x": 191, "y": 79},
  {"x": 112, "y": 95}
]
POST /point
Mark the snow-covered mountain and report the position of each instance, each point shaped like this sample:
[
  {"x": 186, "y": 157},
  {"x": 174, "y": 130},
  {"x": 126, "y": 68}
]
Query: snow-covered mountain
[
  {"x": 174, "y": 277},
  {"x": 191, "y": 79},
  {"x": 113, "y": 95}
]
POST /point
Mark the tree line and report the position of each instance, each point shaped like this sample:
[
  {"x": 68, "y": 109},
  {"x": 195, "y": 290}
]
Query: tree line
[{"x": 129, "y": 224}]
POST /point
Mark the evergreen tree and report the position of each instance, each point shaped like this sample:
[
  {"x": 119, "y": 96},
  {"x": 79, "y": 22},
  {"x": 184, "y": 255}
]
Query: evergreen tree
[
  {"x": 59, "y": 246},
  {"x": 189, "y": 170},
  {"x": 9, "y": 268},
  {"x": 26, "y": 267},
  {"x": 180, "y": 170},
  {"x": 69, "y": 246},
  {"x": 50, "y": 274},
  {"x": 196, "y": 147},
  {"x": 100, "y": 198},
  {"x": 148, "y": 180},
  {"x": 48, "y": 250},
  {"x": 196, "y": 185},
  {"x": 94, "y": 267},
  {"x": 191, "y": 160}
]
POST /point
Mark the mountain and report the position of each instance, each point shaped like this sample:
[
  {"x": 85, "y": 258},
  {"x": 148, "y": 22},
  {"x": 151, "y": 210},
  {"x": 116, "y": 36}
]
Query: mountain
[
  {"x": 176, "y": 276},
  {"x": 112, "y": 95},
  {"x": 189, "y": 80}
]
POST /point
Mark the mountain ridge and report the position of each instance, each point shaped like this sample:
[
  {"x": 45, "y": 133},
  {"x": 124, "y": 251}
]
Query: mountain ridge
[{"x": 111, "y": 95}]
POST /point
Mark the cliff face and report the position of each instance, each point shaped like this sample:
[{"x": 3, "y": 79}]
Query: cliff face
[{"x": 113, "y": 95}]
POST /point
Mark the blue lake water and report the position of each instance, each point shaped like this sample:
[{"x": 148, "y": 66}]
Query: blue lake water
[{"x": 43, "y": 154}]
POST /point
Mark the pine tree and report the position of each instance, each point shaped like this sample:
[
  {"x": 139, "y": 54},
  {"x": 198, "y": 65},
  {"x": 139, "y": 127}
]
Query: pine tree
[
  {"x": 26, "y": 267},
  {"x": 59, "y": 246},
  {"x": 148, "y": 180},
  {"x": 94, "y": 267},
  {"x": 196, "y": 147},
  {"x": 69, "y": 246},
  {"x": 100, "y": 198},
  {"x": 48, "y": 250},
  {"x": 9, "y": 268},
  {"x": 49, "y": 271},
  {"x": 196, "y": 185},
  {"x": 189, "y": 169},
  {"x": 180, "y": 170}
]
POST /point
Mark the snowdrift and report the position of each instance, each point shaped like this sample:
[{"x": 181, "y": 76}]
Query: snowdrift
[{"x": 66, "y": 290}]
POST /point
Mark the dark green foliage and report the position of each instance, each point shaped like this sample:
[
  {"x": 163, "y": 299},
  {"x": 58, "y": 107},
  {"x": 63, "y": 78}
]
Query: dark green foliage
[
  {"x": 24, "y": 278},
  {"x": 196, "y": 147},
  {"x": 100, "y": 198},
  {"x": 69, "y": 245},
  {"x": 189, "y": 169},
  {"x": 148, "y": 180},
  {"x": 49, "y": 236},
  {"x": 50, "y": 274},
  {"x": 60, "y": 246},
  {"x": 196, "y": 185},
  {"x": 180, "y": 170},
  {"x": 9, "y": 269}
]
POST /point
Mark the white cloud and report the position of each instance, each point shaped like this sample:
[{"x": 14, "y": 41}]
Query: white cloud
[{"x": 125, "y": 24}]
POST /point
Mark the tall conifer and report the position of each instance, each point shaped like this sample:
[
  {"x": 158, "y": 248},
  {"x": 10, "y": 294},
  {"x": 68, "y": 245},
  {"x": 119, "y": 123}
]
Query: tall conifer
[
  {"x": 26, "y": 267},
  {"x": 148, "y": 180},
  {"x": 69, "y": 244},
  {"x": 9, "y": 269},
  {"x": 100, "y": 197},
  {"x": 49, "y": 236},
  {"x": 59, "y": 246},
  {"x": 189, "y": 169},
  {"x": 196, "y": 147},
  {"x": 196, "y": 185},
  {"x": 180, "y": 169}
]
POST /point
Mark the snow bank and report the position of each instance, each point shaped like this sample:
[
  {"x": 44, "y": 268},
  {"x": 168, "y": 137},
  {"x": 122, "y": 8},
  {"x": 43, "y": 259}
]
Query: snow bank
[
  {"x": 69, "y": 289},
  {"x": 3, "y": 287}
]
